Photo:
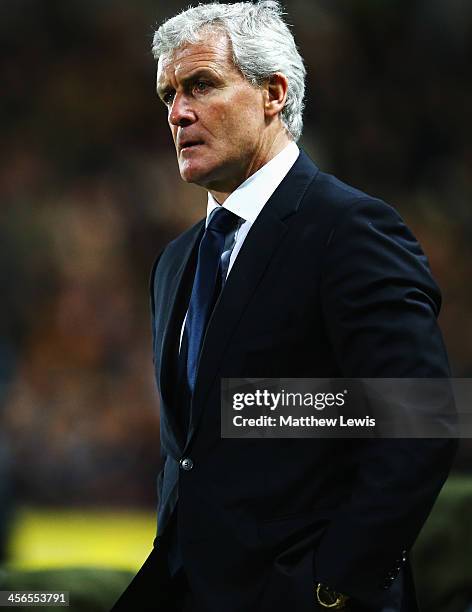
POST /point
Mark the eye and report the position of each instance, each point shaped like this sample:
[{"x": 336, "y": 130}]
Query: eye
[
  {"x": 168, "y": 97},
  {"x": 201, "y": 86}
]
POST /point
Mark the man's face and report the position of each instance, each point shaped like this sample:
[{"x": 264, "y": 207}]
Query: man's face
[{"x": 216, "y": 116}]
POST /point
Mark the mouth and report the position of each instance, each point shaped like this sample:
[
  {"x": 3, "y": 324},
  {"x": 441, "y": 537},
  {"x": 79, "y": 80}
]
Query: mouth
[{"x": 190, "y": 144}]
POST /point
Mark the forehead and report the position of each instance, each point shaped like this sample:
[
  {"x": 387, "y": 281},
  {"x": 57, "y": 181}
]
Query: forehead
[{"x": 213, "y": 52}]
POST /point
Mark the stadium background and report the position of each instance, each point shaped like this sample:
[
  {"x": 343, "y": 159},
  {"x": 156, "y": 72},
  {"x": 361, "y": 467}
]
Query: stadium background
[{"x": 90, "y": 193}]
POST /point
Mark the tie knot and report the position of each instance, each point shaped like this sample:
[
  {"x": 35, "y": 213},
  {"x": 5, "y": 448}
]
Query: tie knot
[{"x": 222, "y": 220}]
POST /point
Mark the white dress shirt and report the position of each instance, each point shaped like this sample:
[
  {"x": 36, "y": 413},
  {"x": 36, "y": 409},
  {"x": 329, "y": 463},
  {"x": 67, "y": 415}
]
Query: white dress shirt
[{"x": 250, "y": 197}]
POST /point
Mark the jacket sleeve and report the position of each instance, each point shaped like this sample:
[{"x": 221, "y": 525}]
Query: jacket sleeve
[
  {"x": 153, "y": 336},
  {"x": 380, "y": 304},
  {"x": 152, "y": 304}
]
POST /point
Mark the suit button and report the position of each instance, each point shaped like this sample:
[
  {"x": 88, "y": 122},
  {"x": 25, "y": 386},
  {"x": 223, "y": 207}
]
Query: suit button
[
  {"x": 387, "y": 583},
  {"x": 186, "y": 464}
]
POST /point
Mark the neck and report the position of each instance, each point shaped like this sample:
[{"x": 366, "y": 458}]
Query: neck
[{"x": 278, "y": 144}]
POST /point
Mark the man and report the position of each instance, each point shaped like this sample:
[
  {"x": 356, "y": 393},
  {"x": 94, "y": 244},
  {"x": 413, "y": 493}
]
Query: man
[{"x": 291, "y": 274}]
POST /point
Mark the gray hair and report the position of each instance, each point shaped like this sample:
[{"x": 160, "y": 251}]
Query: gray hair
[{"x": 261, "y": 42}]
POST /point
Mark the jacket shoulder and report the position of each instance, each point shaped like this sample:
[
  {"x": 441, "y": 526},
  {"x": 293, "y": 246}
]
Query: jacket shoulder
[
  {"x": 330, "y": 191},
  {"x": 330, "y": 201}
]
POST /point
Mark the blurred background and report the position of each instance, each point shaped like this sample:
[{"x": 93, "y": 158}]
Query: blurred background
[{"x": 90, "y": 194}]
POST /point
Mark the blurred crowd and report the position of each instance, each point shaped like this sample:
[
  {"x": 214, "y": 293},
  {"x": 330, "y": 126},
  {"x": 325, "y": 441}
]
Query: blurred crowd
[{"x": 90, "y": 194}]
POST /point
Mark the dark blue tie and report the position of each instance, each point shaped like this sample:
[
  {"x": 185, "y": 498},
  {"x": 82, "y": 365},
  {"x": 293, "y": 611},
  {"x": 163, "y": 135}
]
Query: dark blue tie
[{"x": 204, "y": 290}]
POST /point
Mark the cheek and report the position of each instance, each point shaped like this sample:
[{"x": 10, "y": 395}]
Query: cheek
[
  {"x": 242, "y": 125},
  {"x": 235, "y": 122},
  {"x": 249, "y": 115}
]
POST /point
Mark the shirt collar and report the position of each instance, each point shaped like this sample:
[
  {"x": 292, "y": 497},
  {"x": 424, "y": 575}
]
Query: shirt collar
[{"x": 250, "y": 197}]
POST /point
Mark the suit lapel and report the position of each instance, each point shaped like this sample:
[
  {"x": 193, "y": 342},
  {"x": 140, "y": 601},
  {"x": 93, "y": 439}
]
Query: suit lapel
[
  {"x": 257, "y": 251},
  {"x": 180, "y": 279}
]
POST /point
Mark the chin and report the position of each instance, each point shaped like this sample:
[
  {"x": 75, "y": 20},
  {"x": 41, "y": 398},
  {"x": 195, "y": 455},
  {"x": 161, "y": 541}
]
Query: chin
[{"x": 200, "y": 175}]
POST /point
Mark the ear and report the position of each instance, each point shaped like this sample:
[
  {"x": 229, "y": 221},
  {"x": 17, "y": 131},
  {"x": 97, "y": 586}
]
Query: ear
[{"x": 275, "y": 94}]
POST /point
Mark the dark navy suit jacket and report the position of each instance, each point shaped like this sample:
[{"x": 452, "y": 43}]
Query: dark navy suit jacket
[{"x": 329, "y": 283}]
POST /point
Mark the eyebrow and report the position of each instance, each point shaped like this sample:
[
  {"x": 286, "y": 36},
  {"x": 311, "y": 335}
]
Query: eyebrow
[{"x": 198, "y": 72}]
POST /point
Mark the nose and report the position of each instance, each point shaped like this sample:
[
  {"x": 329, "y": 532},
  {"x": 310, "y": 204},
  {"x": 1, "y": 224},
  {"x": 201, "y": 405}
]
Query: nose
[{"x": 181, "y": 114}]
